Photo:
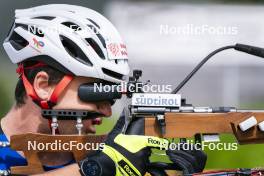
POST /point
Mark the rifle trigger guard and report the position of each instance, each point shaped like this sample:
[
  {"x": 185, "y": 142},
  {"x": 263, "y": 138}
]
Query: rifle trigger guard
[{"x": 160, "y": 118}]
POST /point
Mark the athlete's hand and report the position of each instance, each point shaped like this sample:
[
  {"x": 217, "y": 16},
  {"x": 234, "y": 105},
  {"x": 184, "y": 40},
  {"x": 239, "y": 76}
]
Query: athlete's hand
[
  {"x": 122, "y": 154},
  {"x": 189, "y": 161}
]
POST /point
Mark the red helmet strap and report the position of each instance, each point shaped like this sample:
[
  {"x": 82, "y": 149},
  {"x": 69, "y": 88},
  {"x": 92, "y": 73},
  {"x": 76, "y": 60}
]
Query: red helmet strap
[{"x": 60, "y": 87}]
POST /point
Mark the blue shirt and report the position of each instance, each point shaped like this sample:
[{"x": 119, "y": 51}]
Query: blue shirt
[{"x": 9, "y": 158}]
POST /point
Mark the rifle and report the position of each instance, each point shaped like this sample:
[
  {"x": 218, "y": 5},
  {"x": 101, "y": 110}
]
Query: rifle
[{"x": 176, "y": 119}]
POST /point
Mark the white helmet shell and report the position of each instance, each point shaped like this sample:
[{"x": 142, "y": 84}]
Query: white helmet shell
[{"x": 78, "y": 39}]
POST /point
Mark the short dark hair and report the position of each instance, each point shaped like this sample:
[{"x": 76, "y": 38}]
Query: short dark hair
[{"x": 54, "y": 77}]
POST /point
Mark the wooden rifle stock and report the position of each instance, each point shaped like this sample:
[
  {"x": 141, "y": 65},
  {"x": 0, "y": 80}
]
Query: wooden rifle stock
[
  {"x": 185, "y": 125},
  {"x": 178, "y": 125}
]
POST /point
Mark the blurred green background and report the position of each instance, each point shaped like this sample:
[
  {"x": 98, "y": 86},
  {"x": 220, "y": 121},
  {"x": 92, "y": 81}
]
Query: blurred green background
[{"x": 246, "y": 156}]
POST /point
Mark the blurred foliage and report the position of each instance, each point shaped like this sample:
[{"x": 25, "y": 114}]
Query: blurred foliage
[
  {"x": 5, "y": 100},
  {"x": 246, "y": 156},
  {"x": 8, "y": 80},
  {"x": 107, "y": 125},
  {"x": 253, "y": 105},
  {"x": 5, "y": 95}
]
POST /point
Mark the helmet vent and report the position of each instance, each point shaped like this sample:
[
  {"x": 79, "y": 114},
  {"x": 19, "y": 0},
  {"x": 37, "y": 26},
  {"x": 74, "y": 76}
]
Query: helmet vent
[
  {"x": 73, "y": 26},
  {"x": 24, "y": 26},
  {"x": 17, "y": 41},
  {"x": 96, "y": 47},
  {"x": 92, "y": 21},
  {"x": 44, "y": 17},
  {"x": 100, "y": 37},
  {"x": 112, "y": 74},
  {"x": 75, "y": 51}
]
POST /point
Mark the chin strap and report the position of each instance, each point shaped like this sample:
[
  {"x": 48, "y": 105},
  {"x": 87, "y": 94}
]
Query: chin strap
[{"x": 44, "y": 104}]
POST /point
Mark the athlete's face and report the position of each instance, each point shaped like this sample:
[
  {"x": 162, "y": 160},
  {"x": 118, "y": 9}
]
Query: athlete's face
[{"x": 69, "y": 100}]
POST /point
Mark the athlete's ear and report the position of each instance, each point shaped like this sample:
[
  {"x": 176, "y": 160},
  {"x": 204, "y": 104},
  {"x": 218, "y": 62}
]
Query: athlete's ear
[{"x": 41, "y": 85}]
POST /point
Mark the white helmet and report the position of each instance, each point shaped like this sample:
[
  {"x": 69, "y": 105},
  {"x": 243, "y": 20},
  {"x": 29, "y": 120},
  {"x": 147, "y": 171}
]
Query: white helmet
[{"x": 73, "y": 39}]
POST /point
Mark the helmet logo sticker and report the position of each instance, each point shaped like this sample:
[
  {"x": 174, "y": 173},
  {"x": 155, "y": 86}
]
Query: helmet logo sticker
[
  {"x": 117, "y": 51},
  {"x": 114, "y": 48},
  {"x": 38, "y": 44},
  {"x": 123, "y": 50}
]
